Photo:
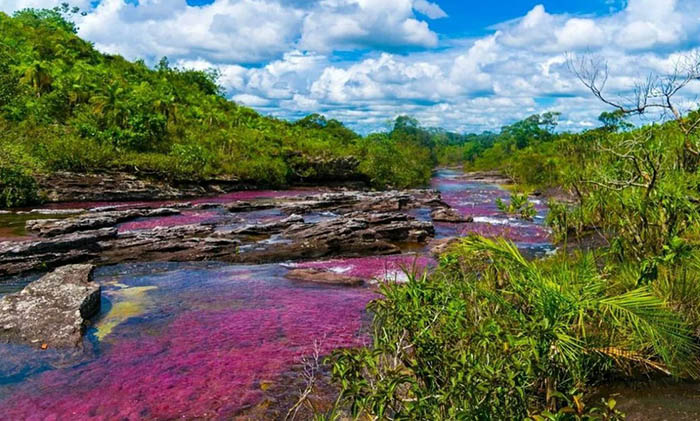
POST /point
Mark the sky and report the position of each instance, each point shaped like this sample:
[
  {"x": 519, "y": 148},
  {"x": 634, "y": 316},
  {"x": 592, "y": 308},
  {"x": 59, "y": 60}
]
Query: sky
[{"x": 462, "y": 65}]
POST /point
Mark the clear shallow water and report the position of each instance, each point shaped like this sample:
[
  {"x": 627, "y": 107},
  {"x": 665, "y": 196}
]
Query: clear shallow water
[{"x": 204, "y": 340}]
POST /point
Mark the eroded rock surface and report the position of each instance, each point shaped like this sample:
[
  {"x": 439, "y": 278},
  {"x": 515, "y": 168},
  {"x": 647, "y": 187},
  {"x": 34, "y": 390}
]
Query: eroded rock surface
[
  {"x": 118, "y": 186},
  {"x": 25, "y": 256},
  {"x": 178, "y": 243},
  {"x": 52, "y": 311},
  {"x": 93, "y": 220},
  {"x": 349, "y": 223}
]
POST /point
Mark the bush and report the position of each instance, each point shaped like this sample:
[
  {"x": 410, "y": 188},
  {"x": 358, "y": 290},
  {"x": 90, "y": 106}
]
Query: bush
[
  {"x": 17, "y": 188},
  {"x": 492, "y": 336},
  {"x": 190, "y": 159},
  {"x": 66, "y": 152}
]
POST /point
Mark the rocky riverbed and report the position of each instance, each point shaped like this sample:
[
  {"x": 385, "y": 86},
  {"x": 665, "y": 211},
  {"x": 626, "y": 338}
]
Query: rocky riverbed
[{"x": 208, "y": 306}]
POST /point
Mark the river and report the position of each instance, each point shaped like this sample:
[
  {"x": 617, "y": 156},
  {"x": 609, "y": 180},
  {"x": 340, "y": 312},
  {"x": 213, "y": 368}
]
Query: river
[{"x": 208, "y": 340}]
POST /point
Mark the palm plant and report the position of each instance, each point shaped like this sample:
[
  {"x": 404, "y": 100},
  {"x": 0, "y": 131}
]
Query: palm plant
[
  {"x": 109, "y": 104},
  {"x": 38, "y": 76},
  {"x": 585, "y": 315}
]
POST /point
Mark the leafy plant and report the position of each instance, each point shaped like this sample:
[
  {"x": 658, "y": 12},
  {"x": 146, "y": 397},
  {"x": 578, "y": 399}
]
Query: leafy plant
[
  {"x": 518, "y": 205},
  {"x": 17, "y": 188}
]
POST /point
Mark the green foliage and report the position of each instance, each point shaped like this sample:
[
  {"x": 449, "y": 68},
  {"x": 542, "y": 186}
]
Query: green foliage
[
  {"x": 58, "y": 17},
  {"x": 70, "y": 107},
  {"x": 614, "y": 120},
  {"x": 536, "y": 128},
  {"x": 391, "y": 160},
  {"x": 518, "y": 205},
  {"x": 190, "y": 159},
  {"x": 491, "y": 335},
  {"x": 576, "y": 410},
  {"x": 17, "y": 188}
]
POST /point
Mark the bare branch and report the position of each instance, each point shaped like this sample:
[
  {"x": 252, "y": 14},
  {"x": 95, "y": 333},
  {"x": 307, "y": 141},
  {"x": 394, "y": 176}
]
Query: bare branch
[{"x": 654, "y": 92}]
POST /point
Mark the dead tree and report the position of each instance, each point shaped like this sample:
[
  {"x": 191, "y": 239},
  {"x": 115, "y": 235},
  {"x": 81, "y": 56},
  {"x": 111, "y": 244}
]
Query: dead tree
[{"x": 656, "y": 92}]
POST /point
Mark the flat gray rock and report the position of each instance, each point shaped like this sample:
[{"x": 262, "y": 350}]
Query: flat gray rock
[{"x": 52, "y": 311}]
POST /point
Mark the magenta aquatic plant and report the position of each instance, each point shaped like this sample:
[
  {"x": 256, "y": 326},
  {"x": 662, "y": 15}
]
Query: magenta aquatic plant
[
  {"x": 219, "y": 341},
  {"x": 478, "y": 200}
]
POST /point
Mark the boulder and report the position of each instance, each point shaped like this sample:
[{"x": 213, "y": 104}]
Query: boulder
[
  {"x": 321, "y": 276},
  {"x": 440, "y": 246},
  {"x": 52, "y": 311},
  {"x": 446, "y": 214}
]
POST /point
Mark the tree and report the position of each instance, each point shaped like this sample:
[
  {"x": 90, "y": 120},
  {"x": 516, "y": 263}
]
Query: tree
[
  {"x": 538, "y": 127},
  {"x": 614, "y": 121},
  {"x": 59, "y": 17}
]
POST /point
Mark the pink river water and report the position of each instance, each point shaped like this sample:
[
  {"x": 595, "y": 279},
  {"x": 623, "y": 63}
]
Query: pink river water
[{"x": 205, "y": 340}]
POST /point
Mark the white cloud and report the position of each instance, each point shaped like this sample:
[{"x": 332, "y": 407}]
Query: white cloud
[
  {"x": 351, "y": 24},
  {"x": 227, "y": 31},
  {"x": 577, "y": 33},
  {"x": 280, "y": 56},
  {"x": 431, "y": 10}
]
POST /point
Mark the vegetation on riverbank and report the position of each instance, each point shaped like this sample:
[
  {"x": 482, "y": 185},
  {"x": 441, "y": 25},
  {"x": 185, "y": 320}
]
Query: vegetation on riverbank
[
  {"x": 491, "y": 335},
  {"x": 64, "y": 106}
]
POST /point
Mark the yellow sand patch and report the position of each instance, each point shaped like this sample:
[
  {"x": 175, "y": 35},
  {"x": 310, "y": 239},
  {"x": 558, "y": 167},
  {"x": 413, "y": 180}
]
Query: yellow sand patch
[{"x": 127, "y": 303}]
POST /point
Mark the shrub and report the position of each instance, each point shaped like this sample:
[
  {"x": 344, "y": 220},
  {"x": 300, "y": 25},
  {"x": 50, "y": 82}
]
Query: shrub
[
  {"x": 519, "y": 206},
  {"x": 190, "y": 159},
  {"x": 17, "y": 188},
  {"x": 492, "y": 336}
]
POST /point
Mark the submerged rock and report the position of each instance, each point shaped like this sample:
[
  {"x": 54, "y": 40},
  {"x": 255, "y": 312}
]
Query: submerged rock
[{"x": 52, "y": 311}]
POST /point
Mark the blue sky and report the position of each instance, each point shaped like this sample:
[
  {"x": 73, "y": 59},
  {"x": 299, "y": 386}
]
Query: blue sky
[{"x": 462, "y": 65}]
